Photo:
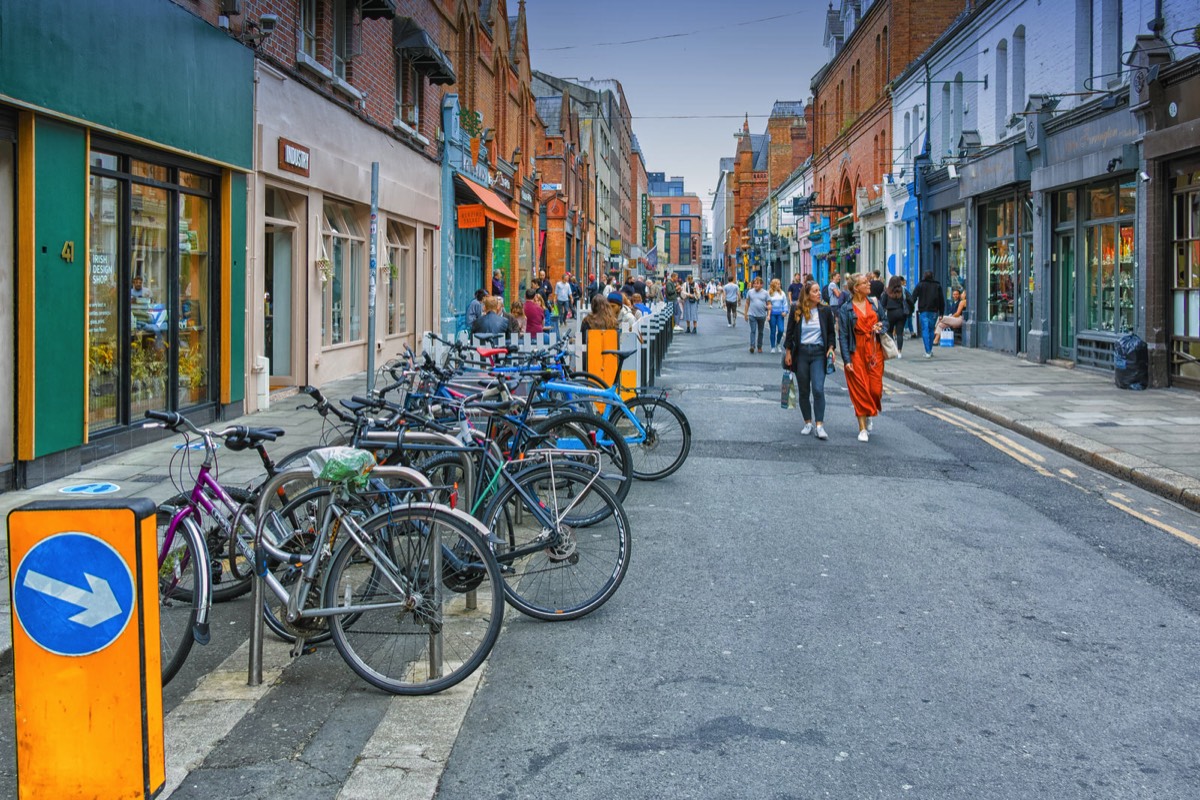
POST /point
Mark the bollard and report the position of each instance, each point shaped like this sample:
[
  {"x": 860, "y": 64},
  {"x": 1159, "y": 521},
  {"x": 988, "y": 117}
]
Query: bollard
[{"x": 87, "y": 672}]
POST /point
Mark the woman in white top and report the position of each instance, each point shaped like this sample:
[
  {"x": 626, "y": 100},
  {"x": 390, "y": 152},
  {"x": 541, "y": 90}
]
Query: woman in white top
[
  {"x": 779, "y": 307},
  {"x": 807, "y": 349}
]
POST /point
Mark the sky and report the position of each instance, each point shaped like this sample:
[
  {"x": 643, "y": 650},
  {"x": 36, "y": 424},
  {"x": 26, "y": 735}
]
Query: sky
[{"x": 691, "y": 69}]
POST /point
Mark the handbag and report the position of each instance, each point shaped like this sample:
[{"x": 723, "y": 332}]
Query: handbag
[{"x": 890, "y": 350}]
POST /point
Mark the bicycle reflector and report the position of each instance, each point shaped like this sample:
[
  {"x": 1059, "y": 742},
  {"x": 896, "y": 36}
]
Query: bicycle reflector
[{"x": 454, "y": 496}]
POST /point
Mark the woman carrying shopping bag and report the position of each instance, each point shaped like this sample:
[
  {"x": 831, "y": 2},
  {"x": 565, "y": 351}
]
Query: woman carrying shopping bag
[{"x": 807, "y": 349}]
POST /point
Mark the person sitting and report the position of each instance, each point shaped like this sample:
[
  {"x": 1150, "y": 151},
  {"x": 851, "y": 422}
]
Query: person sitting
[
  {"x": 602, "y": 317},
  {"x": 475, "y": 308},
  {"x": 955, "y": 319},
  {"x": 492, "y": 320}
]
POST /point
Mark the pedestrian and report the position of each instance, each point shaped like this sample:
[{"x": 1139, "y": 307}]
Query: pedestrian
[
  {"x": 834, "y": 294},
  {"x": 594, "y": 285},
  {"x": 639, "y": 305},
  {"x": 930, "y": 305},
  {"x": 795, "y": 287},
  {"x": 493, "y": 320},
  {"x": 757, "y": 302},
  {"x": 897, "y": 305},
  {"x": 535, "y": 313},
  {"x": 862, "y": 356},
  {"x": 652, "y": 291},
  {"x": 562, "y": 296},
  {"x": 778, "y": 316},
  {"x": 689, "y": 293},
  {"x": 626, "y": 319},
  {"x": 670, "y": 292},
  {"x": 576, "y": 294},
  {"x": 544, "y": 288},
  {"x": 498, "y": 283},
  {"x": 516, "y": 318},
  {"x": 954, "y": 320},
  {"x": 807, "y": 347},
  {"x": 603, "y": 316},
  {"x": 475, "y": 308},
  {"x": 877, "y": 285},
  {"x": 731, "y": 303}
]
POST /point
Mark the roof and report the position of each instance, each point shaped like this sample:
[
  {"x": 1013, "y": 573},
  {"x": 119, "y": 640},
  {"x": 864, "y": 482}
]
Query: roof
[
  {"x": 833, "y": 25},
  {"x": 788, "y": 108},
  {"x": 550, "y": 110},
  {"x": 758, "y": 146}
]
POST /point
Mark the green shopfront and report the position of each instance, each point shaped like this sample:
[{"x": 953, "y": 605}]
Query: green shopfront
[{"x": 129, "y": 239}]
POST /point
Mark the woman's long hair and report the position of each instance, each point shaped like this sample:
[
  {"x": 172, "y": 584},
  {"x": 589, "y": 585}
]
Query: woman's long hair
[
  {"x": 604, "y": 312},
  {"x": 776, "y": 286},
  {"x": 895, "y": 287},
  {"x": 804, "y": 305}
]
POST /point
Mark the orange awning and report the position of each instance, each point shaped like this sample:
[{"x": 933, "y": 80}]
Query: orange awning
[{"x": 493, "y": 207}]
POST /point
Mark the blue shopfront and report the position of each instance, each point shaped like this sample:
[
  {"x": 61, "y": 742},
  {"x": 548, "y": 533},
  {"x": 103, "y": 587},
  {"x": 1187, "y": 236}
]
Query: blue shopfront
[{"x": 821, "y": 249}]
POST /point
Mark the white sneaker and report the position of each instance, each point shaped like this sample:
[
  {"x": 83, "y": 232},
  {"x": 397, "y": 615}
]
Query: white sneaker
[
  {"x": 899, "y": 355},
  {"x": 929, "y": 355},
  {"x": 821, "y": 434},
  {"x": 807, "y": 429},
  {"x": 870, "y": 426},
  {"x": 863, "y": 437}
]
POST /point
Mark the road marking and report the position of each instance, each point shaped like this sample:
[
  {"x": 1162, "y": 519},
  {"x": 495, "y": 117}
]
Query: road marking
[
  {"x": 1149, "y": 520},
  {"x": 1067, "y": 472},
  {"x": 1001, "y": 443}
]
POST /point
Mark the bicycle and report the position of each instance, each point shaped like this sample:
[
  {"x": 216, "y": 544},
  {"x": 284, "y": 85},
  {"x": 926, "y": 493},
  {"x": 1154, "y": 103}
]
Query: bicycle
[{"x": 411, "y": 595}]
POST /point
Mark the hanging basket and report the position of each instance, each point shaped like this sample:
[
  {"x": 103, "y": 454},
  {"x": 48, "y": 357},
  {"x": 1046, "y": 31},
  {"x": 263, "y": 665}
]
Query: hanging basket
[{"x": 325, "y": 269}]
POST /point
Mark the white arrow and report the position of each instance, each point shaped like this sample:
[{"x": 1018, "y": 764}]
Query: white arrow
[{"x": 99, "y": 604}]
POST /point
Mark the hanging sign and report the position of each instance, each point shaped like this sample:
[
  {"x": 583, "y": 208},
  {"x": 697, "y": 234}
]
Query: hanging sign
[{"x": 471, "y": 216}]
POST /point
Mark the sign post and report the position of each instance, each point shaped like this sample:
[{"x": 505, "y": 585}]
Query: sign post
[{"x": 87, "y": 673}]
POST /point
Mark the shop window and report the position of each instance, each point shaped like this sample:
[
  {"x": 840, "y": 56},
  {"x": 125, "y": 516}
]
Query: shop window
[
  {"x": 342, "y": 276},
  {"x": 1185, "y": 281},
  {"x": 400, "y": 275},
  {"x": 1109, "y": 274},
  {"x": 151, "y": 337},
  {"x": 999, "y": 229}
]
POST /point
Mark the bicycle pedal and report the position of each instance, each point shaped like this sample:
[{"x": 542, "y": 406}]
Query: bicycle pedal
[{"x": 298, "y": 649}]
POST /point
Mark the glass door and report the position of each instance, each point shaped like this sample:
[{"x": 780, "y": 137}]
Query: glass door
[
  {"x": 1185, "y": 282},
  {"x": 149, "y": 297},
  {"x": 277, "y": 299},
  {"x": 106, "y": 354}
]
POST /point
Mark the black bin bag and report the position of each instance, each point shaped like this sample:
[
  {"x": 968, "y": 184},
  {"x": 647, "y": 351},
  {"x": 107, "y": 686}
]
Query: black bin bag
[{"x": 1131, "y": 358}]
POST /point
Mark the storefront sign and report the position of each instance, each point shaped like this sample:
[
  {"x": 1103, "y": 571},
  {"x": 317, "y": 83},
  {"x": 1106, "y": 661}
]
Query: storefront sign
[
  {"x": 551, "y": 187},
  {"x": 471, "y": 216},
  {"x": 293, "y": 157},
  {"x": 526, "y": 196},
  {"x": 502, "y": 181},
  {"x": 614, "y": 247},
  {"x": 1111, "y": 130}
]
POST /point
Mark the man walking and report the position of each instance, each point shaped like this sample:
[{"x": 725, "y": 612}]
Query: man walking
[
  {"x": 731, "y": 303},
  {"x": 562, "y": 295},
  {"x": 927, "y": 296}
]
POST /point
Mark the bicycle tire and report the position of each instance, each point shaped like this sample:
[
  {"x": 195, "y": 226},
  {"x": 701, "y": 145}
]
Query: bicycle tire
[
  {"x": 229, "y": 579},
  {"x": 389, "y": 646},
  {"x": 178, "y": 604},
  {"x": 581, "y": 431},
  {"x": 667, "y": 441},
  {"x": 574, "y": 574}
]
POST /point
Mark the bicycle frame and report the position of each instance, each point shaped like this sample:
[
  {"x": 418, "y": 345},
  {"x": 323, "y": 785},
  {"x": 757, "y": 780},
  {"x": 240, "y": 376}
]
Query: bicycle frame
[
  {"x": 187, "y": 517},
  {"x": 610, "y": 397}
]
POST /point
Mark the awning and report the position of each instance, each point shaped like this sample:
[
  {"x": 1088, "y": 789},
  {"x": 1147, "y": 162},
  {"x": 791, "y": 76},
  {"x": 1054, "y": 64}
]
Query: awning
[
  {"x": 378, "y": 9},
  {"x": 493, "y": 207},
  {"x": 412, "y": 42}
]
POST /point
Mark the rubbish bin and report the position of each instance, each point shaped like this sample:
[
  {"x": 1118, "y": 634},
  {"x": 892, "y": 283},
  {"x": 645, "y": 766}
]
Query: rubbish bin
[{"x": 1131, "y": 357}]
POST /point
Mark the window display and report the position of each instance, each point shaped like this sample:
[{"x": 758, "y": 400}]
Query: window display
[
  {"x": 341, "y": 268},
  {"x": 1110, "y": 271},
  {"x": 1001, "y": 261}
]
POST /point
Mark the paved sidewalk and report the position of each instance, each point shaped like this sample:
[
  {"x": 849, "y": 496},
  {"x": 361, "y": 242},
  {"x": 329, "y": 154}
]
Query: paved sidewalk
[{"x": 1151, "y": 438}]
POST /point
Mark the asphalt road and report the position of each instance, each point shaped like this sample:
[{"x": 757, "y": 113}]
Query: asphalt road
[{"x": 948, "y": 611}]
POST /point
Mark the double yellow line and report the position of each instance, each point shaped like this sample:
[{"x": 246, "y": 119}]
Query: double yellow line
[{"x": 1036, "y": 462}]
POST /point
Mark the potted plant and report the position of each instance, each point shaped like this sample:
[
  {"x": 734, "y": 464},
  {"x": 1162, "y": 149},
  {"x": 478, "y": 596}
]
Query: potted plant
[{"x": 472, "y": 125}]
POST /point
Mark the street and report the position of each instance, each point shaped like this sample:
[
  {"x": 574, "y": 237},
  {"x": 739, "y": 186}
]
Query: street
[{"x": 923, "y": 615}]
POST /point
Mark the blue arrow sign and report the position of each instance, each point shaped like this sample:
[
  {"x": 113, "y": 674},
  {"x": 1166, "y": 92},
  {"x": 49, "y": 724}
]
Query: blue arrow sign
[
  {"x": 90, "y": 489},
  {"x": 73, "y": 594}
]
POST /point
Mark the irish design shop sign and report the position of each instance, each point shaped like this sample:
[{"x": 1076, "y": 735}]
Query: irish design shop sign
[{"x": 293, "y": 157}]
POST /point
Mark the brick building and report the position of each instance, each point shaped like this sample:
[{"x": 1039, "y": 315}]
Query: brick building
[
  {"x": 679, "y": 215},
  {"x": 870, "y": 42},
  {"x": 761, "y": 164},
  {"x": 565, "y": 190}
]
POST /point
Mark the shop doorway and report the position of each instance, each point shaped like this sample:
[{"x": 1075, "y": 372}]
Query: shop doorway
[
  {"x": 468, "y": 272},
  {"x": 152, "y": 334},
  {"x": 1185, "y": 281},
  {"x": 1062, "y": 318},
  {"x": 283, "y": 289}
]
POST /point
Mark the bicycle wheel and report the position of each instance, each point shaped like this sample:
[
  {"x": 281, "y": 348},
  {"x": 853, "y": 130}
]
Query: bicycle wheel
[
  {"x": 230, "y": 576},
  {"x": 576, "y": 431},
  {"x": 666, "y": 443},
  {"x": 439, "y": 625},
  {"x": 564, "y": 550},
  {"x": 179, "y": 568},
  {"x": 294, "y": 526}
]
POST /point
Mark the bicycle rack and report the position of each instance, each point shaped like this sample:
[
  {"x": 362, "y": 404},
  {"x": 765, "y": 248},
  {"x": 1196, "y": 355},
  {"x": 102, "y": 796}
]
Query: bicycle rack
[{"x": 267, "y": 493}]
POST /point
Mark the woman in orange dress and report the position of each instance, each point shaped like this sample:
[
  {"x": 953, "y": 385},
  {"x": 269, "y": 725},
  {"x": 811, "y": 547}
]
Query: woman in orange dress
[{"x": 862, "y": 356}]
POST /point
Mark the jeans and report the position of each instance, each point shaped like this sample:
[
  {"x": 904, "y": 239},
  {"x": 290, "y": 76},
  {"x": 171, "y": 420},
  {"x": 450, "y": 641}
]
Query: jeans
[
  {"x": 810, "y": 376},
  {"x": 895, "y": 329},
  {"x": 756, "y": 327},
  {"x": 563, "y": 307},
  {"x": 777, "y": 323},
  {"x": 928, "y": 320},
  {"x": 731, "y": 312}
]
